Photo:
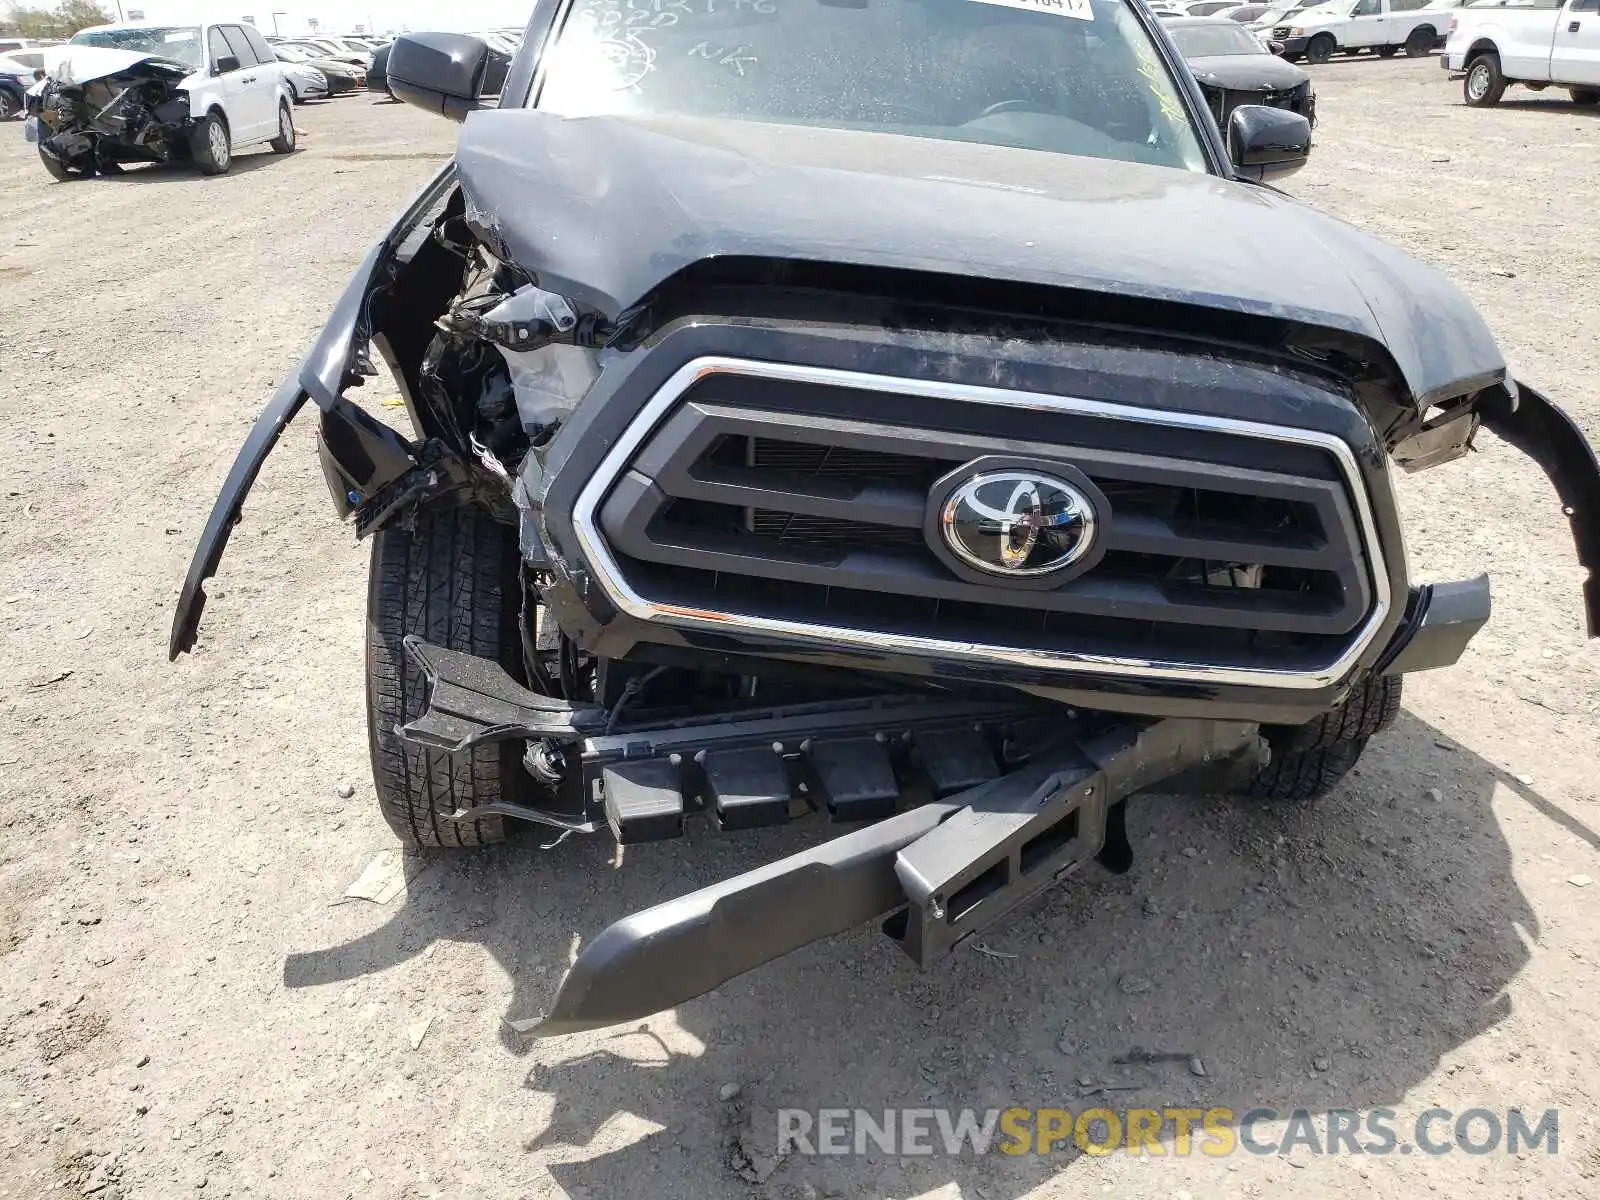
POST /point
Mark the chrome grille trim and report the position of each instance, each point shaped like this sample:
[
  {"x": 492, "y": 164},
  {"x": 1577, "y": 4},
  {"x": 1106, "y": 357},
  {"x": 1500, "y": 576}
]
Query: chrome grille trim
[{"x": 609, "y": 575}]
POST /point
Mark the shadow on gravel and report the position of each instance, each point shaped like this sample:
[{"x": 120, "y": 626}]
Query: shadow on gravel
[
  {"x": 1320, "y": 956},
  {"x": 1340, "y": 58},
  {"x": 1558, "y": 104},
  {"x": 182, "y": 172}
]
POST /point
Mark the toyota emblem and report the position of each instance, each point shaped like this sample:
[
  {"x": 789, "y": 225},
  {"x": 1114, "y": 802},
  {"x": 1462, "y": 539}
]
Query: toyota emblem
[{"x": 1018, "y": 523}]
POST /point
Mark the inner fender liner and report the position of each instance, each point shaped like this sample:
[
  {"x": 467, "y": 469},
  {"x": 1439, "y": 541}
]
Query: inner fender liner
[{"x": 1540, "y": 429}]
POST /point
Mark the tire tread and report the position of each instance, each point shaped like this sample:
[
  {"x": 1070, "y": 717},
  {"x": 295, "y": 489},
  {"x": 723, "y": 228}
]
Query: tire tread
[
  {"x": 447, "y": 581},
  {"x": 1308, "y": 760}
]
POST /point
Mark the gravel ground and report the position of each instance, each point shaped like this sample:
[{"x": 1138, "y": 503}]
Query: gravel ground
[{"x": 184, "y": 1005}]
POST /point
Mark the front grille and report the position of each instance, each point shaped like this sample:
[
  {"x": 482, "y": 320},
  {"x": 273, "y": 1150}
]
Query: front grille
[
  {"x": 1280, "y": 32},
  {"x": 1296, "y": 99},
  {"x": 768, "y": 503}
]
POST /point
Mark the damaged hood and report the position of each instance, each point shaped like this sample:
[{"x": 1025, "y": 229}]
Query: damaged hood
[
  {"x": 1247, "y": 72},
  {"x": 85, "y": 64},
  {"x": 606, "y": 208}
]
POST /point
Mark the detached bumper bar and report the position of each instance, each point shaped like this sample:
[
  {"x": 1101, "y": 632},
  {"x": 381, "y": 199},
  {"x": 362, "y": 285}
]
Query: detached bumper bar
[{"x": 955, "y": 866}]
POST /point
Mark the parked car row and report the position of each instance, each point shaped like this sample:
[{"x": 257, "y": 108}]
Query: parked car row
[{"x": 340, "y": 75}]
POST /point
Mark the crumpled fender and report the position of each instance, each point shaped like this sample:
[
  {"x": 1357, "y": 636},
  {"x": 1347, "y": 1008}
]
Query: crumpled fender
[{"x": 337, "y": 358}]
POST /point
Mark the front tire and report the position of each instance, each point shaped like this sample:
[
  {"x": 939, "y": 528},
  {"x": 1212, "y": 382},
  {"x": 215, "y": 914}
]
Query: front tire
[
  {"x": 211, "y": 146},
  {"x": 1484, "y": 85},
  {"x": 454, "y": 581},
  {"x": 1320, "y": 48},
  {"x": 1308, "y": 760},
  {"x": 284, "y": 142},
  {"x": 59, "y": 171},
  {"x": 10, "y": 104}
]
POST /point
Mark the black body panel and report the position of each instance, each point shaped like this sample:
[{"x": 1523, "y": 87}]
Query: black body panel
[{"x": 690, "y": 190}]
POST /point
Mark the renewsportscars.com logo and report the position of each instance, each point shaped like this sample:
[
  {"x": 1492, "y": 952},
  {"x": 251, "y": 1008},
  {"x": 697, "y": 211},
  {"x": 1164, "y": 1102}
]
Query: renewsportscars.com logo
[{"x": 1213, "y": 1132}]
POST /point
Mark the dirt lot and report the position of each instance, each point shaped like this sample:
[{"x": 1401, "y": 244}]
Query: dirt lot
[{"x": 183, "y": 1005}]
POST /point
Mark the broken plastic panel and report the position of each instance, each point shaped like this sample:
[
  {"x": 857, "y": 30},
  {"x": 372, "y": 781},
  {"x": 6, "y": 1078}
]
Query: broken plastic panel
[{"x": 548, "y": 380}]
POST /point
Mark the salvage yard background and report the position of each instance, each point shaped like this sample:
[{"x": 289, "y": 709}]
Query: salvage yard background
[{"x": 184, "y": 1006}]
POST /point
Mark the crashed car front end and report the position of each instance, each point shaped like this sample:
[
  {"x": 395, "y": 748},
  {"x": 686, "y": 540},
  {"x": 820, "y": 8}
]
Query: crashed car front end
[
  {"x": 94, "y": 121},
  {"x": 966, "y": 528}
]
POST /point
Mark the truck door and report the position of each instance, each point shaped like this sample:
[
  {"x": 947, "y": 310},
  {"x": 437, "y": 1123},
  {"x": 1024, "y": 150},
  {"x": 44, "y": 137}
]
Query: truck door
[
  {"x": 1575, "y": 53},
  {"x": 1369, "y": 24}
]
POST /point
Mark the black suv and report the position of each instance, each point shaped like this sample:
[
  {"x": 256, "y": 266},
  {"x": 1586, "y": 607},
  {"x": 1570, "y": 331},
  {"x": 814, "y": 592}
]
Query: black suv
[{"x": 915, "y": 412}]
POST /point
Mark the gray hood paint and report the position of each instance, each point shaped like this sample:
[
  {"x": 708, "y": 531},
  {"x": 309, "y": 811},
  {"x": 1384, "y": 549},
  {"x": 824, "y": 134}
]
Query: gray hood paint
[{"x": 604, "y": 209}]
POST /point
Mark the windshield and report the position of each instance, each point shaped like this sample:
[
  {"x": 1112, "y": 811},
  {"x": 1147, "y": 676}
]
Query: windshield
[
  {"x": 180, "y": 43},
  {"x": 1068, "y": 76},
  {"x": 1213, "y": 41}
]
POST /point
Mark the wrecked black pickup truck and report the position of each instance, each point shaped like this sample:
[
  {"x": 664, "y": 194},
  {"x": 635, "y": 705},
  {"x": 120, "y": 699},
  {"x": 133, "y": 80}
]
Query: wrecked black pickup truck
[{"x": 917, "y": 413}]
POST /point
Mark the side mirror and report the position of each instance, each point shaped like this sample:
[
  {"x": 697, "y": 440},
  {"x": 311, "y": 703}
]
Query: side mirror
[
  {"x": 443, "y": 73},
  {"x": 1265, "y": 143},
  {"x": 228, "y": 62}
]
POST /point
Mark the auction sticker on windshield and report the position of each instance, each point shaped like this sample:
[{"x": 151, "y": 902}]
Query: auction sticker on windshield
[{"x": 1078, "y": 9}]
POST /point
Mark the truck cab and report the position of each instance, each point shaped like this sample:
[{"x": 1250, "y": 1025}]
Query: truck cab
[
  {"x": 1496, "y": 47},
  {"x": 1350, "y": 26}
]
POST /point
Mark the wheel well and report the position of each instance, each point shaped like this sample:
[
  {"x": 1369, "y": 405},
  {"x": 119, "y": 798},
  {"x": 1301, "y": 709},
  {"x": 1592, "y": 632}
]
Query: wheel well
[
  {"x": 216, "y": 111},
  {"x": 1428, "y": 29},
  {"x": 1322, "y": 34},
  {"x": 1481, "y": 48}
]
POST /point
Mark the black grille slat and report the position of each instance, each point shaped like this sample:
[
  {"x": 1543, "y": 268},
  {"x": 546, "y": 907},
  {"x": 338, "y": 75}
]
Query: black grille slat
[
  {"x": 724, "y": 550},
  {"x": 842, "y": 462},
  {"x": 826, "y": 531}
]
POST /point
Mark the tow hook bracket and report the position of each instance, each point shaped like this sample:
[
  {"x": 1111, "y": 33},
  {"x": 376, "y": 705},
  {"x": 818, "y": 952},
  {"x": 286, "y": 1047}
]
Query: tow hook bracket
[
  {"x": 472, "y": 701},
  {"x": 1030, "y": 828}
]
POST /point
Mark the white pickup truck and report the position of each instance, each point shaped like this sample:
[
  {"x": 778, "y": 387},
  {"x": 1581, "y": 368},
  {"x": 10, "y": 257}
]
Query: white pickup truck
[
  {"x": 1387, "y": 26},
  {"x": 1537, "y": 46}
]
